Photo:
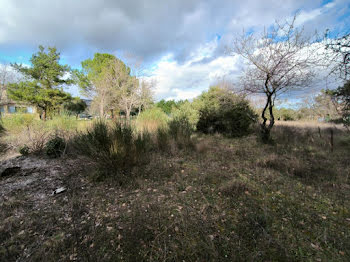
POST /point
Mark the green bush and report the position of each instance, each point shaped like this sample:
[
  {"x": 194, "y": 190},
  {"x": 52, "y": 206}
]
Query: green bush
[
  {"x": 223, "y": 112},
  {"x": 16, "y": 122},
  {"x": 55, "y": 147},
  {"x": 186, "y": 111},
  {"x": 24, "y": 150},
  {"x": 115, "y": 150}
]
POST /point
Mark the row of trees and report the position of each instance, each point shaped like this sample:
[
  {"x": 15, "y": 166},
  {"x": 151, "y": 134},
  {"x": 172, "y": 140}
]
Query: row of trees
[
  {"x": 42, "y": 84},
  {"x": 105, "y": 78},
  {"x": 278, "y": 60}
]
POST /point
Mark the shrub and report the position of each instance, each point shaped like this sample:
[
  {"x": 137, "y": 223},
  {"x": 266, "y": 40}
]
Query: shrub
[
  {"x": 186, "y": 111},
  {"x": 224, "y": 112},
  {"x": 177, "y": 134},
  {"x": 151, "y": 120},
  {"x": 2, "y": 132},
  {"x": 163, "y": 139},
  {"x": 115, "y": 150},
  {"x": 55, "y": 147},
  {"x": 24, "y": 150},
  {"x": 16, "y": 122},
  {"x": 180, "y": 129}
]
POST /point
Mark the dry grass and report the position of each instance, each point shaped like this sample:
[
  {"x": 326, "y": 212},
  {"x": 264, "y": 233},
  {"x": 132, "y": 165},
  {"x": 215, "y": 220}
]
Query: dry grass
[
  {"x": 28, "y": 129},
  {"x": 309, "y": 124}
]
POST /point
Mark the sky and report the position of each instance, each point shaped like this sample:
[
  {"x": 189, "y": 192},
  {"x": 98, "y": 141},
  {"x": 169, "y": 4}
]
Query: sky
[{"x": 183, "y": 44}]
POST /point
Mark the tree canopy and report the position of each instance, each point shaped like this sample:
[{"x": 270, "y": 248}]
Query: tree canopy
[
  {"x": 341, "y": 97},
  {"x": 222, "y": 111},
  {"x": 75, "y": 106},
  {"x": 43, "y": 81},
  {"x": 109, "y": 81}
]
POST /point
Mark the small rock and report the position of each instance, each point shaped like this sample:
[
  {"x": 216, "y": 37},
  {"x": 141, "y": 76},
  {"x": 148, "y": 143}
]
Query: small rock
[
  {"x": 188, "y": 188},
  {"x": 59, "y": 190}
]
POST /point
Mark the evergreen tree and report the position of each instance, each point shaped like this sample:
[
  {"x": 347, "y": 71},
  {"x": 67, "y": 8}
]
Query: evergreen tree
[
  {"x": 76, "y": 106},
  {"x": 44, "y": 81}
]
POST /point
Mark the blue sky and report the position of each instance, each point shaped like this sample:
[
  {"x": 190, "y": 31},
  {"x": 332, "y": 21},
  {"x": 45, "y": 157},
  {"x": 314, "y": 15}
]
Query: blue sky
[{"x": 182, "y": 44}]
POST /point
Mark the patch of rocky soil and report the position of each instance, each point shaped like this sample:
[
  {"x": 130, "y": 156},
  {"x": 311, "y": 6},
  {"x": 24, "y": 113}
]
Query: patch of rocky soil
[{"x": 34, "y": 177}]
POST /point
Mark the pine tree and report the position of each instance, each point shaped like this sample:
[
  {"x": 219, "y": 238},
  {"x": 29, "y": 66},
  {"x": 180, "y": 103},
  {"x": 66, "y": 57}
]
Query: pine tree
[{"x": 44, "y": 82}]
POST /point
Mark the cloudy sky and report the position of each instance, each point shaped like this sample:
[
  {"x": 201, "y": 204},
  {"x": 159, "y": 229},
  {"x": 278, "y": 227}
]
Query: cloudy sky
[{"x": 182, "y": 43}]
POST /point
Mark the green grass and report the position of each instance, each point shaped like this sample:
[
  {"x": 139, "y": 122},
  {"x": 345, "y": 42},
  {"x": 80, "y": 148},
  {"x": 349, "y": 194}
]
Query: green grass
[
  {"x": 29, "y": 130},
  {"x": 225, "y": 200}
]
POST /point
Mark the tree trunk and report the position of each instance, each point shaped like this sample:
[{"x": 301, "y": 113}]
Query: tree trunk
[
  {"x": 43, "y": 115},
  {"x": 102, "y": 112},
  {"x": 140, "y": 106},
  {"x": 266, "y": 129},
  {"x": 127, "y": 114}
]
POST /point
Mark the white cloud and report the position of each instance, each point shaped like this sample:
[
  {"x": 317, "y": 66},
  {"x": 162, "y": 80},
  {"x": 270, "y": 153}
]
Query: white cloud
[
  {"x": 305, "y": 16},
  {"x": 173, "y": 33},
  {"x": 188, "y": 80}
]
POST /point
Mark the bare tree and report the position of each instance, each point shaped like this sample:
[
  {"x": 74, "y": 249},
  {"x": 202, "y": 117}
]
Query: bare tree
[
  {"x": 128, "y": 90},
  {"x": 278, "y": 60},
  {"x": 6, "y": 76},
  {"x": 124, "y": 88},
  {"x": 145, "y": 94},
  {"x": 338, "y": 55}
]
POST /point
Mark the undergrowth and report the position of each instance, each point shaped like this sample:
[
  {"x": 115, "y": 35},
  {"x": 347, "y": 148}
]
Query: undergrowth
[{"x": 228, "y": 199}]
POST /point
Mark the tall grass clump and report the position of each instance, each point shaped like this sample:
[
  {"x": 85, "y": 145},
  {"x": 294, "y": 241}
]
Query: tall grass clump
[
  {"x": 180, "y": 129},
  {"x": 151, "y": 120},
  {"x": 176, "y": 135},
  {"x": 62, "y": 122},
  {"x": 116, "y": 149}
]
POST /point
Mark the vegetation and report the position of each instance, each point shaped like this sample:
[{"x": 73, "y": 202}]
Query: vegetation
[
  {"x": 180, "y": 180},
  {"x": 55, "y": 147},
  {"x": 93, "y": 79},
  {"x": 339, "y": 57},
  {"x": 114, "y": 88},
  {"x": 227, "y": 200},
  {"x": 169, "y": 105},
  {"x": 2, "y": 133},
  {"x": 76, "y": 106},
  {"x": 116, "y": 149},
  {"x": 151, "y": 120},
  {"x": 186, "y": 110},
  {"x": 224, "y": 112},
  {"x": 43, "y": 82},
  {"x": 275, "y": 66},
  {"x": 341, "y": 97}
]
